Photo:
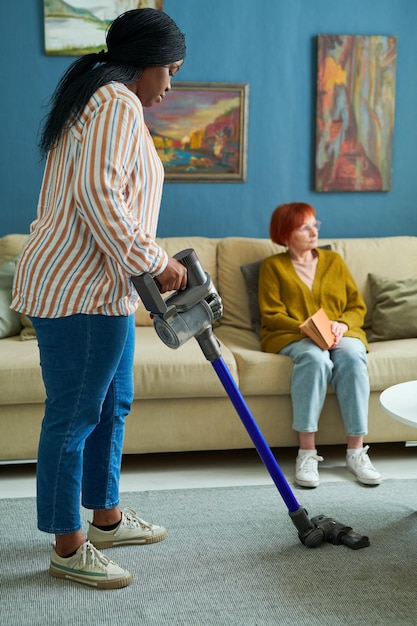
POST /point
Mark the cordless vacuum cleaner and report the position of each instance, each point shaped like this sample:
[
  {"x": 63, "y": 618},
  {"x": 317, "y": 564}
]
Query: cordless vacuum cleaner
[{"x": 190, "y": 313}]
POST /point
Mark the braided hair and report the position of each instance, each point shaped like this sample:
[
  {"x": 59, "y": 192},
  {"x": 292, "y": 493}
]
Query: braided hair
[{"x": 135, "y": 40}]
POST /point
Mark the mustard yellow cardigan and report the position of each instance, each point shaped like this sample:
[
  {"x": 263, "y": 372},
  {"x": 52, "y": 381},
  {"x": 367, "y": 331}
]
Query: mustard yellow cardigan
[{"x": 285, "y": 301}]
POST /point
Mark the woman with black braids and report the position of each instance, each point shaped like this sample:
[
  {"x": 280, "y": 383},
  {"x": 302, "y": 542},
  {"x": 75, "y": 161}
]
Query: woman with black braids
[{"x": 95, "y": 227}]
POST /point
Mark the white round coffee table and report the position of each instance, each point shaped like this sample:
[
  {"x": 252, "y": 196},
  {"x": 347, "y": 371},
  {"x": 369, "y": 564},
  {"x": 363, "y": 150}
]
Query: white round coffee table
[{"x": 400, "y": 402}]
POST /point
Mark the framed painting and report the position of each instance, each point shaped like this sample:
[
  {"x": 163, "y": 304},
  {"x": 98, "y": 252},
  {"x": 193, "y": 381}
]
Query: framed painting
[
  {"x": 355, "y": 112},
  {"x": 77, "y": 27},
  {"x": 200, "y": 132}
]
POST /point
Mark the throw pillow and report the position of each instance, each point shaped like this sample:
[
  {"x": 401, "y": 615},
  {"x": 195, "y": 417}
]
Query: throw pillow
[
  {"x": 394, "y": 306},
  {"x": 11, "y": 246},
  {"x": 10, "y": 323},
  {"x": 28, "y": 332},
  {"x": 250, "y": 273}
]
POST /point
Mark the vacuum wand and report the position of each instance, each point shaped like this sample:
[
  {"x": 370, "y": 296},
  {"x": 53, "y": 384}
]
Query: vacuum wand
[{"x": 190, "y": 313}]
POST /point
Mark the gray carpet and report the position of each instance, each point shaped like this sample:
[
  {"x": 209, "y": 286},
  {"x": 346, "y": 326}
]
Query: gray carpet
[{"x": 232, "y": 558}]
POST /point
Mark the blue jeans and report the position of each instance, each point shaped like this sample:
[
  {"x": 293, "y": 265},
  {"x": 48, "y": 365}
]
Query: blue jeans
[
  {"x": 344, "y": 368},
  {"x": 87, "y": 368}
]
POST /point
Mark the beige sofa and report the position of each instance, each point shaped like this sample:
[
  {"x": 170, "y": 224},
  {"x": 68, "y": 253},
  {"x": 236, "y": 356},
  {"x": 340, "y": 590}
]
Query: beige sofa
[{"x": 180, "y": 405}]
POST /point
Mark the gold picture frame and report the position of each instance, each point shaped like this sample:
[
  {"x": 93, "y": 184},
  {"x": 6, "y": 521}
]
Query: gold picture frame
[{"x": 200, "y": 131}]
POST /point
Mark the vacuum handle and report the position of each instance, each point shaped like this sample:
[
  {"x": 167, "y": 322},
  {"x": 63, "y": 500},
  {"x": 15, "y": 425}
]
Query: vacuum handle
[
  {"x": 149, "y": 293},
  {"x": 149, "y": 287}
]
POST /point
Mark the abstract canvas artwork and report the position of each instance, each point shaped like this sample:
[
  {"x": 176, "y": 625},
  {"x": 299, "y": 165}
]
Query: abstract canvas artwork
[
  {"x": 200, "y": 131},
  {"x": 355, "y": 112}
]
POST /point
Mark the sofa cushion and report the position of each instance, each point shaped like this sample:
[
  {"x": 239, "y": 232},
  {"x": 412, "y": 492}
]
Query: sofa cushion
[
  {"x": 10, "y": 322},
  {"x": 11, "y": 246},
  {"x": 161, "y": 372},
  {"x": 233, "y": 252},
  {"x": 391, "y": 362},
  {"x": 260, "y": 373},
  {"x": 20, "y": 373},
  {"x": 394, "y": 306},
  {"x": 28, "y": 332}
]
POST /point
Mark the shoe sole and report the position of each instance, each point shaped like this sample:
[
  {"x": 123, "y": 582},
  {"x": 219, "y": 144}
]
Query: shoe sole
[
  {"x": 129, "y": 542},
  {"x": 305, "y": 483},
  {"x": 115, "y": 583}
]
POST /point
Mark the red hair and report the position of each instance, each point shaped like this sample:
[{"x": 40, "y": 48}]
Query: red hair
[{"x": 286, "y": 218}]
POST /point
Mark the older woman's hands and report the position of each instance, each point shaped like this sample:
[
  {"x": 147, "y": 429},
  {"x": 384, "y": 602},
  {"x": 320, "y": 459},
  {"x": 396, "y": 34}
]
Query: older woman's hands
[{"x": 338, "y": 330}]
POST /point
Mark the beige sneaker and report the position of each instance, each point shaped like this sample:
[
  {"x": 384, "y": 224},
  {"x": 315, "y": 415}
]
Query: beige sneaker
[
  {"x": 131, "y": 530},
  {"x": 90, "y": 567}
]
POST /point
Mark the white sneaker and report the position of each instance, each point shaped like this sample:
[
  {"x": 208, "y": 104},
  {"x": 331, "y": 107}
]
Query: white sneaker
[
  {"x": 131, "y": 530},
  {"x": 89, "y": 567},
  {"x": 361, "y": 466},
  {"x": 306, "y": 469}
]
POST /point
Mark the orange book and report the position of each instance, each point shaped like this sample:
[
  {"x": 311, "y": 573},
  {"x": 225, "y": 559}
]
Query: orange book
[{"x": 318, "y": 328}]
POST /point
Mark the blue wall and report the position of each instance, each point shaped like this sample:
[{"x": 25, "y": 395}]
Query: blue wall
[{"x": 270, "y": 44}]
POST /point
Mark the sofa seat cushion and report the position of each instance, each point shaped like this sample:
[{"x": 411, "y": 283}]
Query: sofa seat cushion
[
  {"x": 20, "y": 373},
  {"x": 161, "y": 372},
  {"x": 260, "y": 373},
  {"x": 10, "y": 321},
  {"x": 392, "y": 362},
  {"x": 11, "y": 246}
]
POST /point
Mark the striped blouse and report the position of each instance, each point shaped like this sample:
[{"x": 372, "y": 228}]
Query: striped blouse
[{"x": 97, "y": 215}]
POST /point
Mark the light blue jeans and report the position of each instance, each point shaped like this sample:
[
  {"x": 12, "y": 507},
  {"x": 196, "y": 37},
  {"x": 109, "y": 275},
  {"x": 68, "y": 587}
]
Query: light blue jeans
[
  {"x": 344, "y": 368},
  {"x": 87, "y": 368}
]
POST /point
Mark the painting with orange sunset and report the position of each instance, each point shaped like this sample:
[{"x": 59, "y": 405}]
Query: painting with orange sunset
[{"x": 200, "y": 131}]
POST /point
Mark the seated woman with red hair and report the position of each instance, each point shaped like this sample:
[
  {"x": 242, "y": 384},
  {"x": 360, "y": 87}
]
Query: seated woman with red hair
[{"x": 292, "y": 287}]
